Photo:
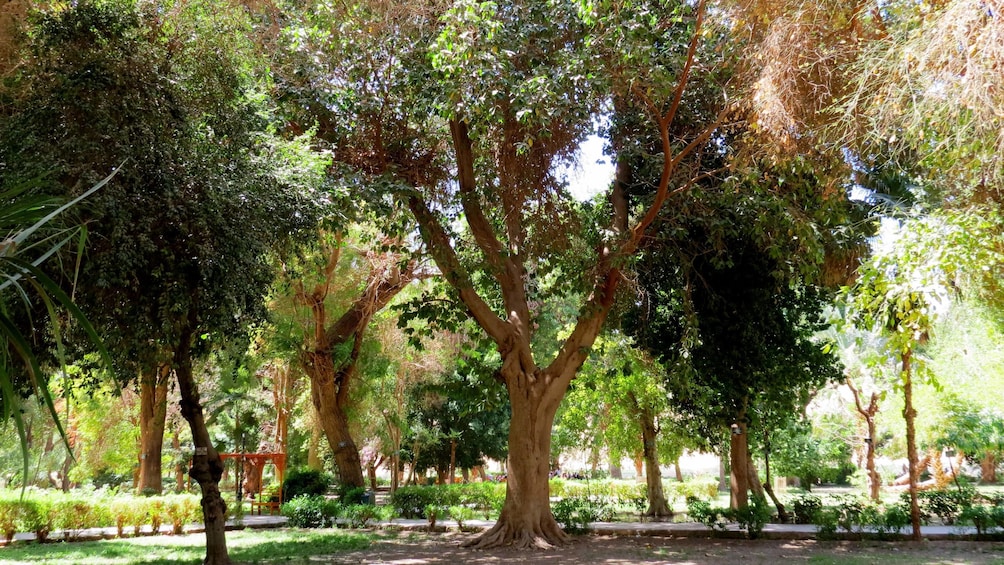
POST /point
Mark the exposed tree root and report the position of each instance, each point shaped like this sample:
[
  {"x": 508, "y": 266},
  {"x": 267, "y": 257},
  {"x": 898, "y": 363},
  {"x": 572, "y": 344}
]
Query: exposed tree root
[{"x": 504, "y": 534}]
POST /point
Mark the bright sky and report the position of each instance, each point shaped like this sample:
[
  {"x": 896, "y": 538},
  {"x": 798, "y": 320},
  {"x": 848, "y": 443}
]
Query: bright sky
[{"x": 594, "y": 171}]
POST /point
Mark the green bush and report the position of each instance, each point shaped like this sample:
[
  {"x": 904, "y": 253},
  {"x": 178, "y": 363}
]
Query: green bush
[
  {"x": 945, "y": 504},
  {"x": 72, "y": 514},
  {"x": 575, "y": 513},
  {"x": 704, "y": 489},
  {"x": 305, "y": 511},
  {"x": 849, "y": 510},
  {"x": 701, "y": 511},
  {"x": 410, "y": 502},
  {"x": 349, "y": 495},
  {"x": 979, "y": 516},
  {"x": 36, "y": 516},
  {"x": 181, "y": 509},
  {"x": 461, "y": 514},
  {"x": 360, "y": 515},
  {"x": 806, "y": 508},
  {"x": 10, "y": 510},
  {"x": 305, "y": 482},
  {"x": 753, "y": 517}
]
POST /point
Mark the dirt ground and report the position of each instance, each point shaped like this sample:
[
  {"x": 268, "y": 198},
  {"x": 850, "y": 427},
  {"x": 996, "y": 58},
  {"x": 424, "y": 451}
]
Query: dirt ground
[{"x": 411, "y": 548}]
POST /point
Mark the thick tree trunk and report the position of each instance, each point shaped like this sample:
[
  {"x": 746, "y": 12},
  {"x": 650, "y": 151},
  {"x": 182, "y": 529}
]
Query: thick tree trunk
[
  {"x": 329, "y": 399},
  {"x": 207, "y": 468},
  {"x": 152, "y": 423},
  {"x": 658, "y": 506},
  {"x": 910, "y": 414},
  {"x": 988, "y": 467},
  {"x": 526, "y": 520},
  {"x": 179, "y": 468},
  {"x": 754, "y": 476},
  {"x": 739, "y": 468},
  {"x": 679, "y": 472}
]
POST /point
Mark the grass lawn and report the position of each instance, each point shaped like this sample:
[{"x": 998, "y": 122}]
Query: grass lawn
[{"x": 246, "y": 546}]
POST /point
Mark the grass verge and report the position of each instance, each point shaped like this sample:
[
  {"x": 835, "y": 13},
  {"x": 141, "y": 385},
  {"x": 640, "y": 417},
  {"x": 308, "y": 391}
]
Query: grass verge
[{"x": 247, "y": 546}]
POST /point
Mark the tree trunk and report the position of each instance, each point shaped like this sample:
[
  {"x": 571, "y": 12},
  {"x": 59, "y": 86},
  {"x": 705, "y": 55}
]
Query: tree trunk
[
  {"x": 768, "y": 484},
  {"x": 179, "y": 468},
  {"x": 526, "y": 520},
  {"x": 988, "y": 468},
  {"x": 679, "y": 472},
  {"x": 874, "y": 480},
  {"x": 453, "y": 461},
  {"x": 329, "y": 399},
  {"x": 658, "y": 506},
  {"x": 314, "y": 460},
  {"x": 739, "y": 469},
  {"x": 152, "y": 422},
  {"x": 754, "y": 477},
  {"x": 207, "y": 468},
  {"x": 910, "y": 414}
]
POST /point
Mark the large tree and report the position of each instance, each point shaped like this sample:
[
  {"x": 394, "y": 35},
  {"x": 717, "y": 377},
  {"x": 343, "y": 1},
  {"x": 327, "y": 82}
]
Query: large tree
[
  {"x": 179, "y": 240},
  {"x": 466, "y": 110},
  {"x": 332, "y": 346}
]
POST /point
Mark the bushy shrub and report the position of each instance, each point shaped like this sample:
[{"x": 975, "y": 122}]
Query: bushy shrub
[
  {"x": 36, "y": 516},
  {"x": 945, "y": 504},
  {"x": 309, "y": 482},
  {"x": 360, "y": 515},
  {"x": 305, "y": 511},
  {"x": 575, "y": 513},
  {"x": 461, "y": 514},
  {"x": 703, "y": 488},
  {"x": 806, "y": 508},
  {"x": 10, "y": 509},
  {"x": 753, "y": 517},
  {"x": 701, "y": 511},
  {"x": 72, "y": 514},
  {"x": 349, "y": 495},
  {"x": 849, "y": 510},
  {"x": 182, "y": 509},
  {"x": 155, "y": 513},
  {"x": 411, "y": 501}
]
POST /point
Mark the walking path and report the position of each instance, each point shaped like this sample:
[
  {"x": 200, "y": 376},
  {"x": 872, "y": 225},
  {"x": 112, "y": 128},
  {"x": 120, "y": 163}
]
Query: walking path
[{"x": 661, "y": 529}]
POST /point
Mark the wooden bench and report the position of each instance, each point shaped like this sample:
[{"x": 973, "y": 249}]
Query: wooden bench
[{"x": 262, "y": 500}]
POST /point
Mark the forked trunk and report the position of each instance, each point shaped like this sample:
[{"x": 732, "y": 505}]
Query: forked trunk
[
  {"x": 526, "y": 520},
  {"x": 207, "y": 468},
  {"x": 152, "y": 422},
  {"x": 910, "y": 414},
  {"x": 658, "y": 506}
]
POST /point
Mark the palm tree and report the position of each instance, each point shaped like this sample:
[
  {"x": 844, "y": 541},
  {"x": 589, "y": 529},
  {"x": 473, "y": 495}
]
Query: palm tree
[{"x": 29, "y": 237}]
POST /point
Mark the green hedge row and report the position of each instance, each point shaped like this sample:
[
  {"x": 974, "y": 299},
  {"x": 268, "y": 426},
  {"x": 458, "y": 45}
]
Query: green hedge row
[
  {"x": 314, "y": 511},
  {"x": 44, "y": 512}
]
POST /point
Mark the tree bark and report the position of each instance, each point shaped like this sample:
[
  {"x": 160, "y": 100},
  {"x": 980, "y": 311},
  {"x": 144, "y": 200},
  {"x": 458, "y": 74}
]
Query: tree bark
[
  {"x": 207, "y": 468},
  {"x": 910, "y": 414},
  {"x": 768, "y": 484},
  {"x": 738, "y": 463},
  {"x": 526, "y": 520},
  {"x": 868, "y": 413},
  {"x": 678, "y": 470},
  {"x": 152, "y": 423},
  {"x": 658, "y": 506},
  {"x": 988, "y": 467},
  {"x": 330, "y": 384},
  {"x": 329, "y": 400}
]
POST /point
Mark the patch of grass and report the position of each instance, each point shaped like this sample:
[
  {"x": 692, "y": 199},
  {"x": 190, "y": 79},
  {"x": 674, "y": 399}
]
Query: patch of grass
[{"x": 247, "y": 546}]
